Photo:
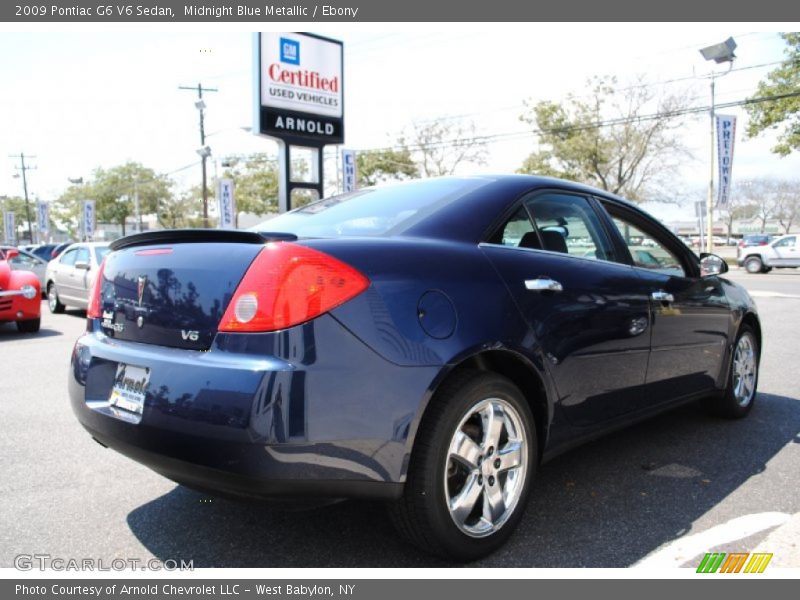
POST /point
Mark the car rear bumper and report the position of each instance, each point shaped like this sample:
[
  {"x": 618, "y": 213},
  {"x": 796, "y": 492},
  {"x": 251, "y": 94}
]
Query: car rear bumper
[{"x": 306, "y": 411}]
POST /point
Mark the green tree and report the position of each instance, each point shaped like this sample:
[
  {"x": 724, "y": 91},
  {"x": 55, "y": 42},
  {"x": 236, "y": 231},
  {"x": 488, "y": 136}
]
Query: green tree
[
  {"x": 375, "y": 166},
  {"x": 176, "y": 211},
  {"x": 623, "y": 140},
  {"x": 785, "y": 112},
  {"x": 255, "y": 178},
  {"x": 115, "y": 192}
]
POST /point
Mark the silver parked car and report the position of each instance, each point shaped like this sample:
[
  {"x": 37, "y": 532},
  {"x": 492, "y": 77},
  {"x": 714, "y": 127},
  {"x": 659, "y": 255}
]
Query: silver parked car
[
  {"x": 70, "y": 276},
  {"x": 781, "y": 253}
]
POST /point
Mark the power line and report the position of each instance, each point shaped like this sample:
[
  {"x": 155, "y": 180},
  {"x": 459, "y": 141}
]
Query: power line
[
  {"x": 625, "y": 88},
  {"x": 596, "y": 124}
]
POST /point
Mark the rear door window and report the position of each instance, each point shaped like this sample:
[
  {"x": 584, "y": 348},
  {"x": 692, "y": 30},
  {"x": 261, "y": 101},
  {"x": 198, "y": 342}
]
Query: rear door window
[{"x": 568, "y": 224}]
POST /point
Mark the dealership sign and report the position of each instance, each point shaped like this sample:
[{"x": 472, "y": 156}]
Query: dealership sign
[
  {"x": 9, "y": 227},
  {"x": 43, "y": 219},
  {"x": 349, "y": 170},
  {"x": 227, "y": 204},
  {"x": 726, "y": 132},
  {"x": 88, "y": 219},
  {"x": 300, "y": 88}
]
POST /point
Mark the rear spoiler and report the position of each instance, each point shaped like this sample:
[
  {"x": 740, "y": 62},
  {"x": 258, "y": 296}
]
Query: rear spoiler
[{"x": 184, "y": 236}]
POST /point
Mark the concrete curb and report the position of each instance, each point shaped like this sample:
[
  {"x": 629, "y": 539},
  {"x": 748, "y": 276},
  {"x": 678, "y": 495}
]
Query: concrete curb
[{"x": 784, "y": 544}]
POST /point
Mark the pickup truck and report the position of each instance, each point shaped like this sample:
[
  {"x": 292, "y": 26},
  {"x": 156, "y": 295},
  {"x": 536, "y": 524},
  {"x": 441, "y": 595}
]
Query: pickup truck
[{"x": 781, "y": 253}]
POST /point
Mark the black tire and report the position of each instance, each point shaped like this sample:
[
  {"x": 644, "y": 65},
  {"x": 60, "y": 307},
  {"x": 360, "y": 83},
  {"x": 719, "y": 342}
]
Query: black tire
[
  {"x": 423, "y": 514},
  {"x": 53, "y": 303},
  {"x": 734, "y": 404},
  {"x": 29, "y": 325},
  {"x": 753, "y": 264}
]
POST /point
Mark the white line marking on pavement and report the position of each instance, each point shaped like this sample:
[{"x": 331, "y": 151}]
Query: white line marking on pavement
[
  {"x": 677, "y": 552},
  {"x": 768, "y": 294}
]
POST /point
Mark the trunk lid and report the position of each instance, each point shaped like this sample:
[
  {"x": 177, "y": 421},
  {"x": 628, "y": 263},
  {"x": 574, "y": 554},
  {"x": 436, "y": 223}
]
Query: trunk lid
[{"x": 172, "y": 288}]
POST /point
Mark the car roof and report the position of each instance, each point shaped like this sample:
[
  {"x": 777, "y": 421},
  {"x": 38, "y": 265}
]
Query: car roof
[
  {"x": 88, "y": 244},
  {"x": 478, "y": 209}
]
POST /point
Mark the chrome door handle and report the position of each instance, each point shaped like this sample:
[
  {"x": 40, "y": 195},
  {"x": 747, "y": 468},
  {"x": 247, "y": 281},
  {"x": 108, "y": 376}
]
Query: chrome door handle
[
  {"x": 543, "y": 284},
  {"x": 662, "y": 296}
]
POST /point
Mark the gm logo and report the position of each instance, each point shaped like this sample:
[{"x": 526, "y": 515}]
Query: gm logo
[
  {"x": 290, "y": 51},
  {"x": 714, "y": 562}
]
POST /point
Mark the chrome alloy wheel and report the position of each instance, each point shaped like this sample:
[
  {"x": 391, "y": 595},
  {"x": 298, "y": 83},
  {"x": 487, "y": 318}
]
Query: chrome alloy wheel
[
  {"x": 745, "y": 368},
  {"x": 486, "y": 466}
]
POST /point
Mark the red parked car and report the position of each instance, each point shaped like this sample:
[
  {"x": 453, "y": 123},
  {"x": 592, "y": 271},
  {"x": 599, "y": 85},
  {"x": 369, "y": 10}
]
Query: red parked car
[{"x": 20, "y": 295}]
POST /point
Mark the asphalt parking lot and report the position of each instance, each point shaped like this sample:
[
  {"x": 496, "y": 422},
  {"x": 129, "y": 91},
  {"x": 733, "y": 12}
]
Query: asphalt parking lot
[{"x": 638, "y": 495}]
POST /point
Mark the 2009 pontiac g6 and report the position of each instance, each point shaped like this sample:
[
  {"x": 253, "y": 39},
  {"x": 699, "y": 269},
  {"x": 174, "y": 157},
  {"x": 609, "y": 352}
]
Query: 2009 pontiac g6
[{"x": 429, "y": 344}]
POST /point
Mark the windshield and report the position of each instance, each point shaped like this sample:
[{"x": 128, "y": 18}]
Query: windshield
[
  {"x": 100, "y": 253},
  {"x": 372, "y": 211}
]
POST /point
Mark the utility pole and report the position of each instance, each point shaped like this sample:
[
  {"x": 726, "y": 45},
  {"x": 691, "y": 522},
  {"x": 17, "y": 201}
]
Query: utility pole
[
  {"x": 204, "y": 150},
  {"x": 23, "y": 168}
]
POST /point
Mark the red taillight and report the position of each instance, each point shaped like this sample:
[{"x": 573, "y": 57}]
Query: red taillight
[
  {"x": 289, "y": 284},
  {"x": 95, "y": 309}
]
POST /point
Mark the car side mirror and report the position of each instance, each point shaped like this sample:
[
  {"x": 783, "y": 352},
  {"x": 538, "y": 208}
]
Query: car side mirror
[
  {"x": 11, "y": 253},
  {"x": 711, "y": 264},
  {"x": 83, "y": 265}
]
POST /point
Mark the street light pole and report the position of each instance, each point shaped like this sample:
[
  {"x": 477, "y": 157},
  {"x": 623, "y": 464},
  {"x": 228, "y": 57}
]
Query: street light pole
[
  {"x": 710, "y": 201},
  {"x": 719, "y": 53},
  {"x": 23, "y": 168}
]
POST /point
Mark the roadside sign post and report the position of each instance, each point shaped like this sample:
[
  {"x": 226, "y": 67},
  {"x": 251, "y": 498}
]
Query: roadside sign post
[
  {"x": 88, "y": 220},
  {"x": 9, "y": 228},
  {"x": 43, "y": 220},
  {"x": 226, "y": 204},
  {"x": 349, "y": 170}
]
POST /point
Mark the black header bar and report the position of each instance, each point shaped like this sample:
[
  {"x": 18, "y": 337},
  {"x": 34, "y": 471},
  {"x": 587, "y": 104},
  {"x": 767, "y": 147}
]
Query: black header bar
[{"x": 259, "y": 12}]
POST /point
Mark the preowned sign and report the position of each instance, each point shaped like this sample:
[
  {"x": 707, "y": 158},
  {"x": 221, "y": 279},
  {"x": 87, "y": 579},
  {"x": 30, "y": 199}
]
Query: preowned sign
[{"x": 300, "y": 87}]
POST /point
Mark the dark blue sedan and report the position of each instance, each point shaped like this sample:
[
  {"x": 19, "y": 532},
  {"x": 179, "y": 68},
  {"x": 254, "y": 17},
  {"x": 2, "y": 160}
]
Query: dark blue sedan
[{"x": 429, "y": 344}]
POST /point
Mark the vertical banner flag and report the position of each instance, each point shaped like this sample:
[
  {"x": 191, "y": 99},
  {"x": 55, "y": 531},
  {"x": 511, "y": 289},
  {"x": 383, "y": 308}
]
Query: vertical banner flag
[
  {"x": 43, "y": 219},
  {"x": 227, "y": 204},
  {"x": 349, "y": 171},
  {"x": 9, "y": 227},
  {"x": 88, "y": 219},
  {"x": 726, "y": 133}
]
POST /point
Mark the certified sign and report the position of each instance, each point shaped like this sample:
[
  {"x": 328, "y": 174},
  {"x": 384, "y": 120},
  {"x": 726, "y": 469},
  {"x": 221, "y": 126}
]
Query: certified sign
[{"x": 300, "y": 87}]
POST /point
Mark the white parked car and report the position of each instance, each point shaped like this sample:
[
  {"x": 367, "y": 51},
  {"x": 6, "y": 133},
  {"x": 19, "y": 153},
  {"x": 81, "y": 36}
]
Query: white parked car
[
  {"x": 70, "y": 276},
  {"x": 781, "y": 253}
]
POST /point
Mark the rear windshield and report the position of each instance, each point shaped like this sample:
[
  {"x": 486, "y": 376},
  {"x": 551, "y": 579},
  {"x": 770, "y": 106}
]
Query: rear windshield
[{"x": 373, "y": 211}]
